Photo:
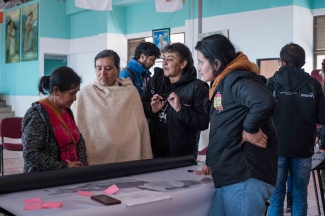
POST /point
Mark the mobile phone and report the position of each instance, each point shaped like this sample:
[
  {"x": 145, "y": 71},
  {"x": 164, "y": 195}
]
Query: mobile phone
[{"x": 106, "y": 200}]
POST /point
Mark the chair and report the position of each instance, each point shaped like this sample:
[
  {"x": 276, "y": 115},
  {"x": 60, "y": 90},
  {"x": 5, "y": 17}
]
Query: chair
[
  {"x": 317, "y": 170},
  {"x": 10, "y": 128},
  {"x": 315, "y": 74}
]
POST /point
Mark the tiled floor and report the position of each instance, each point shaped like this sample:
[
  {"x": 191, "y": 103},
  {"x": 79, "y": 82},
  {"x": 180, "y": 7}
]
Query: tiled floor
[{"x": 13, "y": 163}]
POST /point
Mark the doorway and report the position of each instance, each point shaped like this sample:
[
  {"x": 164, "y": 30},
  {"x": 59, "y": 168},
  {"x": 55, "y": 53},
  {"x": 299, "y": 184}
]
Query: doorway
[{"x": 51, "y": 62}]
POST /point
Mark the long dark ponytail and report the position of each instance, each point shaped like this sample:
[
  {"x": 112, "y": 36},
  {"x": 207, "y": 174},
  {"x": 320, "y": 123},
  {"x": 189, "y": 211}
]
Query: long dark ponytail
[{"x": 64, "y": 78}]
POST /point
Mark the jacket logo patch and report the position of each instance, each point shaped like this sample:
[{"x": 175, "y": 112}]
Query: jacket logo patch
[
  {"x": 288, "y": 93},
  {"x": 217, "y": 101},
  {"x": 310, "y": 95}
]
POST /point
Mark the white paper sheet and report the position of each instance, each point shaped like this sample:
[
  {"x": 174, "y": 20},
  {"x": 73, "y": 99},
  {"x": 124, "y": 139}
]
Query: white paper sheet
[{"x": 141, "y": 197}]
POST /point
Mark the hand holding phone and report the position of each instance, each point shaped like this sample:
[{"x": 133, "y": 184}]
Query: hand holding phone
[{"x": 106, "y": 200}]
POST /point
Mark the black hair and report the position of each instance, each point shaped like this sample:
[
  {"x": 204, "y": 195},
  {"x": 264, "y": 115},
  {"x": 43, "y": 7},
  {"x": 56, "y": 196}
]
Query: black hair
[
  {"x": 293, "y": 55},
  {"x": 14, "y": 25},
  {"x": 109, "y": 53},
  {"x": 218, "y": 47},
  {"x": 183, "y": 53},
  {"x": 147, "y": 49},
  {"x": 64, "y": 78}
]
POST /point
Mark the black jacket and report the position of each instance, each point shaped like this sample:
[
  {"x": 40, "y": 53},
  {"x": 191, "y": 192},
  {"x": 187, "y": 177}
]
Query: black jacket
[
  {"x": 182, "y": 126},
  {"x": 241, "y": 102},
  {"x": 301, "y": 105}
]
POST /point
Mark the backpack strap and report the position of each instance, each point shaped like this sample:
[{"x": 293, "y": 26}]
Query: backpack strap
[{"x": 131, "y": 74}]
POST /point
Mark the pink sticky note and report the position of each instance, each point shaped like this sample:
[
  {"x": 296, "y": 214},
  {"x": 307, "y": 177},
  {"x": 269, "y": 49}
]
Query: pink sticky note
[
  {"x": 112, "y": 189},
  {"x": 52, "y": 205},
  {"x": 32, "y": 200},
  {"x": 36, "y": 206},
  {"x": 82, "y": 193}
]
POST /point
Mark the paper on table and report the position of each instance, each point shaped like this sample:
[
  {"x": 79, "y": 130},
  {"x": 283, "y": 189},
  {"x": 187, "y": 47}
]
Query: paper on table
[
  {"x": 52, "y": 205},
  {"x": 82, "y": 193},
  {"x": 36, "y": 206},
  {"x": 141, "y": 197},
  {"x": 112, "y": 189},
  {"x": 33, "y": 200}
]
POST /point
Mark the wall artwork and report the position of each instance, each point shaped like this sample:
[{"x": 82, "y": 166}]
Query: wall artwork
[
  {"x": 12, "y": 36},
  {"x": 29, "y": 46},
  {"x": 161, "y": 37}
]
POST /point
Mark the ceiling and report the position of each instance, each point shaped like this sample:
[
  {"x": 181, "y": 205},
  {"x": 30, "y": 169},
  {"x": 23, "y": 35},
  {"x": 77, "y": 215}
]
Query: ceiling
[{"x": 5, "y": 4}]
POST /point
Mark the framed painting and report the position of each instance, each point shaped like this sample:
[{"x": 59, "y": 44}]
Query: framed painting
[
  {"x": 29, "y": 46},
  {"x": 13, "y": 36},
  {"x": 161, "y": 37}
]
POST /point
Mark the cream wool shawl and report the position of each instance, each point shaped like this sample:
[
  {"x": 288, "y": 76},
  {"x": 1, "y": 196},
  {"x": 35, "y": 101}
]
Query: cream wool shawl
[{"x": 112, "y": 122}]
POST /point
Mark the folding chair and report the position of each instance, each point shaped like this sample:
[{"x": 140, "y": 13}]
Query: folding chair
[{"x": 10, "y": 128}]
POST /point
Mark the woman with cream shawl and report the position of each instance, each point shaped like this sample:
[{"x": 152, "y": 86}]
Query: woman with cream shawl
[{"x": 110, "y": 115}]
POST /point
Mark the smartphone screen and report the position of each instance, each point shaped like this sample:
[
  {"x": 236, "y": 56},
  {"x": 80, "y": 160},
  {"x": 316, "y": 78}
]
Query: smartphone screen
[{"x": 106, "y": 200}]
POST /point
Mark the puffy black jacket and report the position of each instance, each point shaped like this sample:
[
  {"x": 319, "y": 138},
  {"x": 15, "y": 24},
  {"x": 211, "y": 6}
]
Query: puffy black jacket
[
  {"x": 301, "y": 105},
  {"x": 241, "y": 102},
  {"x": 182, "y": 126}
]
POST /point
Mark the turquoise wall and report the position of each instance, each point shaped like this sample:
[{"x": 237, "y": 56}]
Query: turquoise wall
[
  {"x": 51, "y": 64},
  {"x": 90, "y": 23},
  {"x": 143, "y": 17},
  {"x": 19, "y": 78},
  {"x": 215, "y": 8},
  {"x": 71, "y": 8},
  {"x": 55, "y": 22},
  {"x": 316, "y": 4}
]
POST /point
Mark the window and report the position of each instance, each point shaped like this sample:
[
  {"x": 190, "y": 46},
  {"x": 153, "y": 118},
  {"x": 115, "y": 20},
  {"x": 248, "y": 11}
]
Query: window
[{"x": 319, "y": 41}]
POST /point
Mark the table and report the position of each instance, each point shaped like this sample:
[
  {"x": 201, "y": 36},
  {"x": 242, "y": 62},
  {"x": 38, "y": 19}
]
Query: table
[{"x": 191, "y": 194}]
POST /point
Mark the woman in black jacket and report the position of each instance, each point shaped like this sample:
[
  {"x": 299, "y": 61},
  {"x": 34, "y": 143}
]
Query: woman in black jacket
[
  {"x": 176, "y": 104},
  {"x": 242, "y": 151}
]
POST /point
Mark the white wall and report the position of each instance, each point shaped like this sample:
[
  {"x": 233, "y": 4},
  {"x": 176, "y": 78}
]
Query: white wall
[
  {"x": 318, "y": 12},
  {"x": 20, "y": 104},
  {"x": 303, "y": 33},
  {"x": 84, "y": 50},
  {"x": 259, "y": 34},
  {"x": 52, "y": 46}
]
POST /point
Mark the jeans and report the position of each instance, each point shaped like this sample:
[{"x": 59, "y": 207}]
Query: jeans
[
  {"x": 241, "y": 199},
  {"x": 289, "y": 187},
  {"x": 300, "y": 173}
]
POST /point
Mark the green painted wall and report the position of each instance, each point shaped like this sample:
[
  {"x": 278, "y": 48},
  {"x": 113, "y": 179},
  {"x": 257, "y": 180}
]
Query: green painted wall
[{"x": 51, "y": 64}]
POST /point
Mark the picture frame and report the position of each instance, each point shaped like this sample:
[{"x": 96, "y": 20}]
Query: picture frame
[
  {"x": 29, "y": 45},
  {"x": 161, "y": 37},
  {"x": 13, "y": 36}
]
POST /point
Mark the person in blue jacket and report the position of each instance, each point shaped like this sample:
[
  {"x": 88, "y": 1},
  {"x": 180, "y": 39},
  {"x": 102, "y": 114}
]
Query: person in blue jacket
[{"x": 137, "y": 69}]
